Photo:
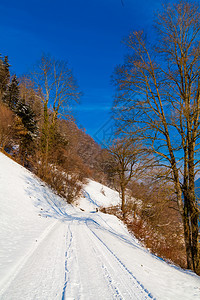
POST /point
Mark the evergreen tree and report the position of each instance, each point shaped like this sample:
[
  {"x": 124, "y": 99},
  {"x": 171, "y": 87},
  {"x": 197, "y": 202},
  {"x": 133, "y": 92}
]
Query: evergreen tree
[
  {"x": 27, "y": 116},
  {"x": 12, "y": 95},
  {"x": 4, "y": 76},
  {"x": 6, "y": 70}
]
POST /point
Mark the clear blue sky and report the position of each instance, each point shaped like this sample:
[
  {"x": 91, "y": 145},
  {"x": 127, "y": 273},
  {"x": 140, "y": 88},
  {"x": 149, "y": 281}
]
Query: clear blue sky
[{"x": 86, "y": 33}]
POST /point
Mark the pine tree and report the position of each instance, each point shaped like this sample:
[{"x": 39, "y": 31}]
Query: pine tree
[
  {"x": 27, "y": 115},
  {"x": 11, "y": 97},
  {"x": 4, "y": 76},
  {"x": 6, "y": 70},
  {"x": 29, "y": 122}
]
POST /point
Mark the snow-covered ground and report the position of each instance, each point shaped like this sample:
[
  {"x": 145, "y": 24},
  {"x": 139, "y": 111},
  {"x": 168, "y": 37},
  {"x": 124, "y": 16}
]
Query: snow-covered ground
[
  {"x": 52, "y": 250},
  {"x": 96, "y": 195}
]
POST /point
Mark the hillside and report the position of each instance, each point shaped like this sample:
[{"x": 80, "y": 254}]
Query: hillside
[{"x": 52, "y": 250}]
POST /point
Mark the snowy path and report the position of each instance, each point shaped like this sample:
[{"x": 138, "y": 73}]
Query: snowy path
[
  {"x": 111, "y": 281},
  {"x": 82, "y": 257},
  {"x": 72, "y": 262},
  {"x": 51, "y": 250}
]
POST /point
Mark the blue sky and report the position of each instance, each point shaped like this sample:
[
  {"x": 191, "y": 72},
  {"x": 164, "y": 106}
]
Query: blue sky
[{"x": 86, "y": 33}]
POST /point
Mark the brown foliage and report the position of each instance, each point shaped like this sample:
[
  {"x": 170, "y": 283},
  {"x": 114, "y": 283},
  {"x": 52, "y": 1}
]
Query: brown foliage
[
  {"x": 66, "y": 185},
  {"x": 7, "y": 120},
  {"x": 165, "y": 245},
  {"x": 153, "y": 218},
  {"x": 11, "y": 127}
]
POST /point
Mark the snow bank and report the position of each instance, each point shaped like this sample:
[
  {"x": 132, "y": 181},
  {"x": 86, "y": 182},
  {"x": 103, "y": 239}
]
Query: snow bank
[{"x": 25, "y": 216}]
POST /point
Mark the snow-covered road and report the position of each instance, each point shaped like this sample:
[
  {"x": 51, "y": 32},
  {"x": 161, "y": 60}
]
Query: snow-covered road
[
  {"x": 72, "y": 261},
  {"x": 52, "y": 250}
]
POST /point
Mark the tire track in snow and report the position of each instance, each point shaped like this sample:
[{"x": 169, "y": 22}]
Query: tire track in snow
[
  {"x": 115, "y": 291},
  {"x": 105, "y": 266},
  {"x": 108, "y": 286},
  {"x": 117, "y": 294},
  {"x": 72, "y": 279},
  {"x": 130, "y": 239},
  {"x": 67, "y": 255},
  {"x": 137, "y": 283}
]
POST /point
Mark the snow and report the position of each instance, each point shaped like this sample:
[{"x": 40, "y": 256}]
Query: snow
[
  {"x": 52, "y": 250},
  {"x": 96, "y": 195}
]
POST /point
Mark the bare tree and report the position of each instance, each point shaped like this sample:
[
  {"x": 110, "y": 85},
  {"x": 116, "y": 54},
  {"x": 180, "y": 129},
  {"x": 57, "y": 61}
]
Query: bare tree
[
  {"x": 158, "y": 100},
  {"x": 58, "y": 91},
  {"x": 124, "y": 165},
  {"x": 30, "y": 97}
]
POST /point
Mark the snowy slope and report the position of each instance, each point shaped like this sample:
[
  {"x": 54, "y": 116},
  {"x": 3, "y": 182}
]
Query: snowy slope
[
  {"x": 52, "y": 250},
  {"x": 96, "y": 195}
]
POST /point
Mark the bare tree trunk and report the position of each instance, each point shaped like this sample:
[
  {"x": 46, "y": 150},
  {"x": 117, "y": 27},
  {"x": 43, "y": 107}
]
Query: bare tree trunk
[
  {"x": 45, "y": 140},
  {"x": 194, "y": 214},
  {"x": 123, "y": 200},
  {"x": 187, "y": 235}
]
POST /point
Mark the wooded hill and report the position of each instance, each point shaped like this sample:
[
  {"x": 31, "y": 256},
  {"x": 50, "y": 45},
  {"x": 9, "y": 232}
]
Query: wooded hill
[{"x": 40, "y": 133}]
